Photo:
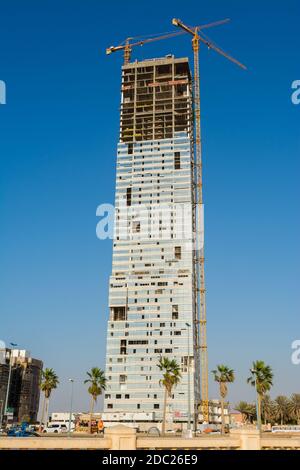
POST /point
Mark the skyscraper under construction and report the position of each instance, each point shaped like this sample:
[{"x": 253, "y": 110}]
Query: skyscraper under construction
[{"x": 152, "y": 295}]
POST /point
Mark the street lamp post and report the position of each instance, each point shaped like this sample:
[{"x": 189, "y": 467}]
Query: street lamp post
[
  {"x": 189, "y": 431},
  {"x": 71, "y": 405}
]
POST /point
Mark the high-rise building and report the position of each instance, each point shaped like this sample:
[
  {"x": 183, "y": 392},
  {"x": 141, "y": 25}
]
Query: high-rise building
[
  {"x": 151, "y": 295},
  {"x": 22, "y": 373}
]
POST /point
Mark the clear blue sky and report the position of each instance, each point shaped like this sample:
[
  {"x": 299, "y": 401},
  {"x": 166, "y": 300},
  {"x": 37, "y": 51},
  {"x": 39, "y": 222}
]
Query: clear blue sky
[{"x": 58, "y": 136}]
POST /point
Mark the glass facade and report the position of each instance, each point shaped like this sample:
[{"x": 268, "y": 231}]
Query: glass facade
[{"x": 151, "y": 287}]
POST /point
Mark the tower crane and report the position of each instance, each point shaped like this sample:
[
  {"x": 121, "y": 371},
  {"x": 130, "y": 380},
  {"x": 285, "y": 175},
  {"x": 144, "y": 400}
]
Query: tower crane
[
  {"x": 200, "y": 315},
  {"x": 128, "y": 45}
]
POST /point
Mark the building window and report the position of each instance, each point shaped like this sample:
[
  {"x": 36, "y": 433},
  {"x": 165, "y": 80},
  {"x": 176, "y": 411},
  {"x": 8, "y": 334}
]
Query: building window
[
  {"x": 174, "y": 312},
  {"x": 177, "y": 252},
  {"x": 123, "y": 348},
  {"x": 118, "y": 396},
  {"x": 122, "y": 379},
  {"x": 118, "y": 313},
  {"x": 177, "y": 160},
  {"x": 156, "y": 406},
  {"x": 130, "y": 149},
  {"x": 109, "y": 406},
  {"x": 138, "y": 341},
  {"x": 136, "y": 227},
  {"x": 127, "y": 397},
  {"x": 128, "y": 196}
]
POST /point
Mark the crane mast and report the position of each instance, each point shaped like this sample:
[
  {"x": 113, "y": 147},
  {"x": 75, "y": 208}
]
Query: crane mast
[
  {"x": 200, "y": 338},
  {"x": 200, "y": 320},
  {"x": 200, "y": 341}
]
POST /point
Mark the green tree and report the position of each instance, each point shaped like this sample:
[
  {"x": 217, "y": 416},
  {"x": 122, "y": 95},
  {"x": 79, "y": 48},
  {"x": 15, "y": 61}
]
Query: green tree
[
  {"x": 223, "y": 375},
  {"x": 262, "y": 379},
  {"x": 247, "y": 409},
  {"x": 48, "y": 382},
  {"x": 282, "y": 408},
  {"x": 171, "y": 377},
  {"x": 97, "y": 381},
  {"x": 294, "y": 407},
  {"x": 268, "y": 409}
]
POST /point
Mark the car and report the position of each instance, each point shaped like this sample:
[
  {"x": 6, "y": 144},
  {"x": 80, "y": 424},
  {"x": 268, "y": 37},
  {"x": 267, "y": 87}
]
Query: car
[
  {"x": 55, "y": 428},
  {"x": 170, "y": 431}
]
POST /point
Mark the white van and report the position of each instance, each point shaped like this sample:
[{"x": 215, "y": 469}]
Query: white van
[
  {"x": 55, "y": 428},
  {"x": 286, "y": 428}
]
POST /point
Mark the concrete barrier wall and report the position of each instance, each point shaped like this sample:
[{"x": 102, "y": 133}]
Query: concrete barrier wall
[
  {"x": 54, "y": 443},
  {"x": 124, "y": 438},
  {"x": 291, "y": 442},
  {"x": 205, "y": 442}
]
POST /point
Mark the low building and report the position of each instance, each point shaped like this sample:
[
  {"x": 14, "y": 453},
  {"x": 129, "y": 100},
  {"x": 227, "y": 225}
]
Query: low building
[
  {"x": 143, "y": 421},
  {"x": 215, "y": 413},
  {"x": 175, "y": 421},
  {"x": 63, "y": 418},
  {"x": 236, "y": 418}
]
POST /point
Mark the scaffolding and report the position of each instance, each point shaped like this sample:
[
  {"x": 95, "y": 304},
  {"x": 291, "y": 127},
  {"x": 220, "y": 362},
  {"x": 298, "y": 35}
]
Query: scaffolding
[{"x": 155, "y": 100}]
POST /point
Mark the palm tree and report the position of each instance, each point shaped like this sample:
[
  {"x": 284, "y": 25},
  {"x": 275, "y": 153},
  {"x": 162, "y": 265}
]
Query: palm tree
[
  {"x": 223, "y": 375},
  {"x": 262, "y": 379},
  {"x": 171, "y": 377},
  {"x": 294, "y": 407},
  {"x": 247, "y": 409},
  {"x": 49, "y": 381},
  {"x": 282, "y": 408},
  {"x": 97, "y": 381}
]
